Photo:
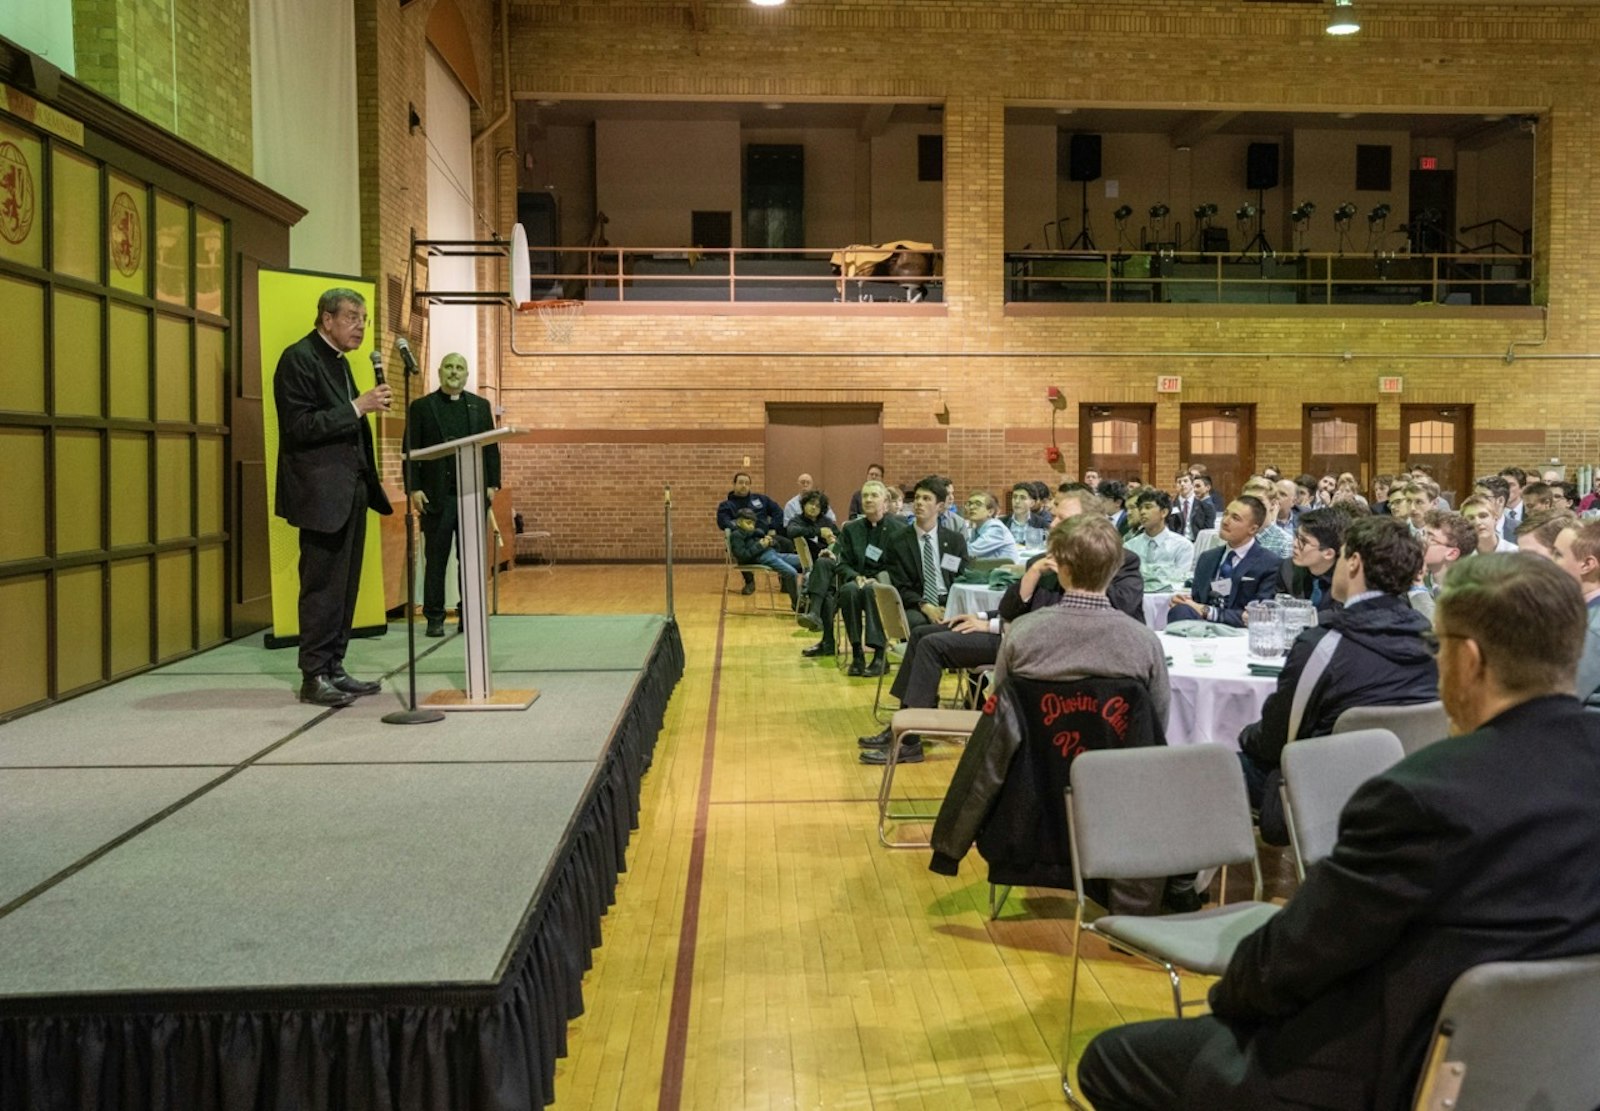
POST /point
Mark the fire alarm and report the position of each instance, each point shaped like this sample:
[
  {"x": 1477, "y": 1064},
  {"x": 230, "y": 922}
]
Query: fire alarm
[
  {"x": 1052, "y": 393},
  {"x": 1052, "y": 454}
]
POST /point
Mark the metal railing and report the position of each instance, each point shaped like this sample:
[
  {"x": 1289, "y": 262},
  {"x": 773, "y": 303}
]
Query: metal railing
[
  {"x": 754, "y": 274},
  {"x": 1177, "y": 277}
]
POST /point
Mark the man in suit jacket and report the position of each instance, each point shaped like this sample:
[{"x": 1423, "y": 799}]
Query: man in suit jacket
[
  {"x": 327, "y": 480},
  {"x": 862, "y": 552},
  {"x": 1190, "y": 513},
  {"x": 1476, "y": 849},
  {"x": 1229, "y": 578},
  {"x": 448, "y": 413},
  {"x": 925, "y": 559}
]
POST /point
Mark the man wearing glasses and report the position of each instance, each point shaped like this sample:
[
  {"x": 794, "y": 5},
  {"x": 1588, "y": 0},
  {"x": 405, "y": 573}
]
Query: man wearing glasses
[{"x": 327, "y": 480}]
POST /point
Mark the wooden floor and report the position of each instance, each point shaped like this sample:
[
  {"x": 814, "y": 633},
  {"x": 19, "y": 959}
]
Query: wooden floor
[{"x": 765, "y": 951}]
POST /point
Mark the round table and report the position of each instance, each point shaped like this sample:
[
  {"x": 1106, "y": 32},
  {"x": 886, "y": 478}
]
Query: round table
[
  {"x": 1155, "y": 610},
  {"x": 1212, "y": 702},
  {"x": 971, "y": 598}
]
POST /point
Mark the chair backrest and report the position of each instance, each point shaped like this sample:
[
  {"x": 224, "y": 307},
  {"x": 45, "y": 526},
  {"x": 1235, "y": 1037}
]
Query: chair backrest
[
  {"x": 1517, "y": 1034},
  {"x": 1320, "y": 775},
  {"x": 1158, "y": 811},
  {"x": 1204, "y": 540},
  {"x": 1417, "y": 725},
  {"x": 891, "y": 611},
  {"x": 803, "y": 551}
]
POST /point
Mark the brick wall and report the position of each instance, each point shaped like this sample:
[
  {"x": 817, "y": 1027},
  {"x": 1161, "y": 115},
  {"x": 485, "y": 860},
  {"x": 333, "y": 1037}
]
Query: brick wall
[{"x": 638, "y": 400}]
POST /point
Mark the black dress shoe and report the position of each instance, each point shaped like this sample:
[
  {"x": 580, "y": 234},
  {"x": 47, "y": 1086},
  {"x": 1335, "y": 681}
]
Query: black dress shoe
[
  {"x": 320, "y": 691},
  {"x": 910, "y": 753},
  {"x": 810, "y": 621},
  {"x": 435, "y": 627},
  {"x": 822, "y": 649},
  {"x": 878, "y": 666},
  {"x": 749, "y": 588},
  {"x": 877, "y": 740},
  {"x": 353, "y": 686},
  {"x": 858, "y": 666}
]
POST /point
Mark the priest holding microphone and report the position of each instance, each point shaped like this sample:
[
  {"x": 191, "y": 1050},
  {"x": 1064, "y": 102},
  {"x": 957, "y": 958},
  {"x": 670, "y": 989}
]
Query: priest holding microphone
[{"x": 327, "y": 480}]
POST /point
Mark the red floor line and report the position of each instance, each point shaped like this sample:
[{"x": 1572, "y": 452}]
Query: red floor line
[{"x": 689, "y": 931}]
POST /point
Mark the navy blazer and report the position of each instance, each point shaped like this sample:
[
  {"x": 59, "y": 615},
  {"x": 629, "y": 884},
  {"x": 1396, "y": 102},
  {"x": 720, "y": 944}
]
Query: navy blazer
[
  {"x": 1202, "y": 516},
  {"x": 1255, "y": 579}
]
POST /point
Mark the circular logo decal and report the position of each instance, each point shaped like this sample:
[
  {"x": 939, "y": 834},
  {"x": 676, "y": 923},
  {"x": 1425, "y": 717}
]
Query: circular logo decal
[
  {"x": 16, "y": 194},
  {"x": 127, "y": 236}
]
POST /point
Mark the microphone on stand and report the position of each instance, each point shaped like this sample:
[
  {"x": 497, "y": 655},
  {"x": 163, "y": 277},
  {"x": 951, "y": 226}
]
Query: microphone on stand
[{"x": 406, "y": 355}]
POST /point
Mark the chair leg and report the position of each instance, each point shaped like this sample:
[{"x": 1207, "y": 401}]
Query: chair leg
[
  {"x": 997, "y": 899},
  {"x": 1072, "y": 1016},
  {"x": 877, "y": 699}
]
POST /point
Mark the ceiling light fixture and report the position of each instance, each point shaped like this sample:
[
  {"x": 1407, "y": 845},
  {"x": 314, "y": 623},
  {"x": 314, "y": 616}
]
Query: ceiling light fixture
[
  {"x": 1343, "y": 21},
  {"x": 769, "y": 3}
]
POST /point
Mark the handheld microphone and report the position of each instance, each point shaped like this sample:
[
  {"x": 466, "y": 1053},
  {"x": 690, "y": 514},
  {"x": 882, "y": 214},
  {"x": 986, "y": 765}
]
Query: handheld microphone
[
  {"x": 409, "y": 359},
  {"x": 377, "y": 366}
]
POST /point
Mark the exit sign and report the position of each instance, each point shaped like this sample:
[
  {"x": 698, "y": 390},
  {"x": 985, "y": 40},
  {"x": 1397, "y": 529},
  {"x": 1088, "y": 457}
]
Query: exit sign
[
  {"x": 1169, "y": 383},
  {"x": 1389, "y": 385},
  {"x": 1427, "y": 162}
]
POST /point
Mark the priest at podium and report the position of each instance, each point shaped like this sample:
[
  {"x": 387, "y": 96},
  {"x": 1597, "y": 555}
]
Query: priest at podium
[{"x": 448, "y": 413}]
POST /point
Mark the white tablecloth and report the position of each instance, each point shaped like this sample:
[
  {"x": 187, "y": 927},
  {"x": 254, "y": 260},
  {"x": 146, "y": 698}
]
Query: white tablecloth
[
  {"x": 1213, "y": 702},
  {"x": 971, "y": 598},
  {"x": 1155, "y": 610}
]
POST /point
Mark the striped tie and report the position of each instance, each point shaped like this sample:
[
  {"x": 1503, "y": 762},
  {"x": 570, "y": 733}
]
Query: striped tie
[{"x": 930, "y": 572}]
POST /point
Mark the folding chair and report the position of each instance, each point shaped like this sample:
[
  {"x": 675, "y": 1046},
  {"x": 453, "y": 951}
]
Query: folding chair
[
  {"x": 1158, "y": 811},
  {"x": 762, "y": 572},
  {"x": 953, "y": 726},
  {"x": 1516, "y": 1036},
  {"x": 1319, "y": 776},
  {"x": 892, "y": 619},
  {"x": 1417, "y": 725}
]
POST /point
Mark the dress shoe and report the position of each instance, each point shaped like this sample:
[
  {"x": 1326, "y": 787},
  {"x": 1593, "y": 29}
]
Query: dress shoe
[
  {"x": 823, "y": 649},
  {"x": 320, "y": 691},
  {"x": 435, "y": 627},
  {"x": 351, "y": 685},
  {"x": 749, "y": 588},
  {"x": 878, "y": 666},
  {"x": 858, "y": 666},
  {"x": 809, "y": 620},
  {"x": 910, "y": 753},
  {"x": 877, "y": 740}
]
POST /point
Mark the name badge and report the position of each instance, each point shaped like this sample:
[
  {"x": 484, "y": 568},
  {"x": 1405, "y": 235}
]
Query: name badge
[
  {"x": 950, "y": 562},
  {"x": 874, "y": 552},
  {"x": 1222, "y": 587}
]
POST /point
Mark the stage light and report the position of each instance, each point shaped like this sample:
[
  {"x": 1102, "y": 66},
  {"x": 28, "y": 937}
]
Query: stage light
[
  {"x": 1205, "y": 211},
  {"x": 1342, "y": 20},
  {"x": 1302, "y": 212},
  {"x": 1344, "y": 213},
  {"x": 1122, "y": 213},
  {"x": 1246, "y": 211},
  {"x": 1159, "y": 211},
  {"x": 1379, "y": 214}
]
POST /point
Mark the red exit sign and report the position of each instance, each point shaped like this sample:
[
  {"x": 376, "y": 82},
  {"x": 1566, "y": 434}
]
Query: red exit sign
[
  {"x": 1427, "y": 162},
  {"x": 1389, "y": 385},
  {"x": 1169, "y": 383}
]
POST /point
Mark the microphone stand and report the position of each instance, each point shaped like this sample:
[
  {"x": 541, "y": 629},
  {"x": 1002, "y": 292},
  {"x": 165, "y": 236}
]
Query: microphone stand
[{"x": 410, "y": 715}]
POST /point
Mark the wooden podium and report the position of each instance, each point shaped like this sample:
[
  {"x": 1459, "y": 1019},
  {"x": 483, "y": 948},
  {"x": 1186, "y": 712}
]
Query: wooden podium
[{"x": 470, "y": 514}]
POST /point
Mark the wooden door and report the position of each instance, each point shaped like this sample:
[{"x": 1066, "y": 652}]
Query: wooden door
[
  {"x": 1338, "y": 438},
  {"x": 1440, "y": 436},
  {"x": 1221, "y": 438},
  {"x": 1117, "y": 440},
  {"x": 834, "y": 444}
]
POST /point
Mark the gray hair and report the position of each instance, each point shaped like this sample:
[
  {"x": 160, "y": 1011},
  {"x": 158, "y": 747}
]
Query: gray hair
[{"x": 331, "y": 301}]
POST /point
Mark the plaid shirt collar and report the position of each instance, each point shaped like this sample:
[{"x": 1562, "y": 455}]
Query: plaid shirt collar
[{"x": 1084, "y": 600}]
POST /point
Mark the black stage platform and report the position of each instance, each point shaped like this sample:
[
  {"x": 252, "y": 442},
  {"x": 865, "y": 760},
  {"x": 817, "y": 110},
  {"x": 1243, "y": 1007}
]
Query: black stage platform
[{"x": 212, "y": 896}]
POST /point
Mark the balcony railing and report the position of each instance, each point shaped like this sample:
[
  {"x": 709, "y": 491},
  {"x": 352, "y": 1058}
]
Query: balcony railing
[
  {"x": 637, "y": 274},
  {"x": 1167, "y": 277}
]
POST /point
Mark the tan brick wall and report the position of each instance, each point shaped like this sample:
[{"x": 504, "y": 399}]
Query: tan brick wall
[
  {"x": 666, "y": 380},
  {"x": 185, "y": 66}
]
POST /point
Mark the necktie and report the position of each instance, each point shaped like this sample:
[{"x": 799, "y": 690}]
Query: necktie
[
  {"x": 1184, "y": 522},
  {"x": 930, "y": 571},
  {"x": 1316, "y": 592},
  {"x": 1229, "y": 562}
]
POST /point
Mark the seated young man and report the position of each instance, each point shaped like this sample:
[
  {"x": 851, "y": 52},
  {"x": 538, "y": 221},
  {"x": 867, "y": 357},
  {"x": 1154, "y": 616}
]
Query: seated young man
[
  {"x": 1578, "y": 554},
  {"x": 1190, "y": 512},
  {"x": 1368, "y": 652},
  {"x": 751, "y": 547},
  {"x": 1480, "y": 512},
  {"x": 987, "y": 535},
  {"x": 814, "y": 528},
  {"x": 1447, "y": 538},
  {"x": 1229, "y": 578},
  {"x": 1308, "y": 573},
  {"x": 925, "y": 559},
  {"x": 1480, "y": 849},
  {"x": 1026, "y": 517},
  {"x": 1165, "y": 557},
  {"x": 1539, "y": 529},
  {"x": 862, "y": 552},
  {"x": 1277, "y": 539}
]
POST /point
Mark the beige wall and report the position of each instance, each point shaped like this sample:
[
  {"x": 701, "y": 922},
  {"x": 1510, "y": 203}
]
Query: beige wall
[
  {"x": 902, "y": 206},
  {"x": 834, "y": 169},
  {"x": 650, "y": 175}
]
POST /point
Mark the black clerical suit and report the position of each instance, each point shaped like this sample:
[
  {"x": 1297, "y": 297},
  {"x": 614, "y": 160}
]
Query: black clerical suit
[
  {"x": 1480, "y": 848},
  {"x": 862, "y": 552},
  {"x": 436, "y": 419},
  {"x": 326, "y": 482}
]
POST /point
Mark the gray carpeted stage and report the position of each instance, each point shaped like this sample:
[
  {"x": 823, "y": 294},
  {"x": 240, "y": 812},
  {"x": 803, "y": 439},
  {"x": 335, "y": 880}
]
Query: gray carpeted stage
[{"x": 295, "y": 889}]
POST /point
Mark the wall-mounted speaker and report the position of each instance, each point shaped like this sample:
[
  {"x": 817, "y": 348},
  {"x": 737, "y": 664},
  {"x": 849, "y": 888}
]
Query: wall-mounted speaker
[{"x": 1261, "y": 166}]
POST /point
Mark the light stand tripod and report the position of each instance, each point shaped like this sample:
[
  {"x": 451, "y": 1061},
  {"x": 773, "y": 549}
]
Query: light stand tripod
[
  {"x": 1083, "y": 241},
  {"x": 1259, "y": 244},
  {"x": 410, "y": 715}
]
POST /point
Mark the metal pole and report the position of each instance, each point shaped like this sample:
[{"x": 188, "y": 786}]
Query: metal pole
[{"x": 666, "y": 510}]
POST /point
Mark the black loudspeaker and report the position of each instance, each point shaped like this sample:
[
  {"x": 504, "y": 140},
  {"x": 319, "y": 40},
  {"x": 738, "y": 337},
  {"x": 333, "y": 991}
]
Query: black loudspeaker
[
  {"x": 1261, "y": 166},
  {"x": 1083, "y": 158}
]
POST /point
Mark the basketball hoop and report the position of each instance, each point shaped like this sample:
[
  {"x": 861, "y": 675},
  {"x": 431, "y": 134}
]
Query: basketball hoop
[{"x": 559, "y": 318}]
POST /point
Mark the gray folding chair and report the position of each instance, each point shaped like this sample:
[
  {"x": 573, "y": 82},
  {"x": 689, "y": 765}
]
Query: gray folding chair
[
  {"x": 953, "y": 726},
  {"x": 1417, "y": 725},
  {"x": 761, "y": 572},
  {"x": 1516, "y": 1036},
  {"x": 892, "y": 619},
  {"x": 1158, "y": 811},
  {"x": 1319, "y": 776}
]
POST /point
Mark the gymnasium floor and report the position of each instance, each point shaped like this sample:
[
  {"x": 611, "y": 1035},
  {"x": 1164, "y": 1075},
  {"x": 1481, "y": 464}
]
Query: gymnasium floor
[{"x": 765, "y": 951}]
